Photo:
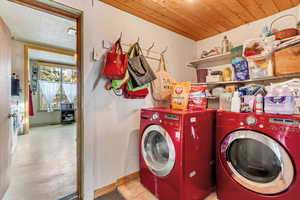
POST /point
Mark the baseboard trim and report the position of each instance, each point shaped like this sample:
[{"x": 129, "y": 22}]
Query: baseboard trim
[
  {"x": 105, "y": 190},
  {"x": 128, "y": 178},
  {"x": 110, "y": 188}
]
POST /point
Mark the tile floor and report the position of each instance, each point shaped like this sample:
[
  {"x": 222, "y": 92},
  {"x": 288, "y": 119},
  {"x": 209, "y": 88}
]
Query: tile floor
[
  {"x": 135, "y": 191},
  {"x": 44, "y": 164},
  {"x": 115, "y": 195}
]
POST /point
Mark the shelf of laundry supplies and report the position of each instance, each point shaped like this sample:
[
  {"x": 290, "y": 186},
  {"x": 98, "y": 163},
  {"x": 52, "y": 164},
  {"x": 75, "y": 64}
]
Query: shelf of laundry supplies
[
  {"x": 199, "y": 62},
  {"x": 271, "y": 78}
]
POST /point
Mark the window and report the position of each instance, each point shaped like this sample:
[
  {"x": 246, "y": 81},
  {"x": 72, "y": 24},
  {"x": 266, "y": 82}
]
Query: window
[{"x": 60, "y": 75}]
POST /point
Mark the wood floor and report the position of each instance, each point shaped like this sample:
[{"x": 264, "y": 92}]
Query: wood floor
[{"x": 135, "y": 191}]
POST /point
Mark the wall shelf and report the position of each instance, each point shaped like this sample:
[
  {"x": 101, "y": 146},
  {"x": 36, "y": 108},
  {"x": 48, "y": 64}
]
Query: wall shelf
[
  {"x": 271, "y": 78},
  {"x": 199, "y": 63}
]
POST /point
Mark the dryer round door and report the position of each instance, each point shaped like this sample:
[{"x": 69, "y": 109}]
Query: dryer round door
[
  {"x": 158, "y": 150},
  {"x": 257, "y": 162}
]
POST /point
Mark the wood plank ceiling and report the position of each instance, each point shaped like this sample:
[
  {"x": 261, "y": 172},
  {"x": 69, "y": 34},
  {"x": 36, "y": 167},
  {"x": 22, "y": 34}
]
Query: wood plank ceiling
[{"x": 199, "y": 19}]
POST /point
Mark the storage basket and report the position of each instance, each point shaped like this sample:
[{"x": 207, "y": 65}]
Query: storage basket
[{"x": 285, "y": 33}]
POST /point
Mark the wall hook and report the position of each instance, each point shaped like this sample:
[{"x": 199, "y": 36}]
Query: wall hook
[
  {"x": 151, "y": 47},
  {"x": 138, "y": 40},
  {"x": 120, "y": 36},
  {"x": 164, "y": 51}
]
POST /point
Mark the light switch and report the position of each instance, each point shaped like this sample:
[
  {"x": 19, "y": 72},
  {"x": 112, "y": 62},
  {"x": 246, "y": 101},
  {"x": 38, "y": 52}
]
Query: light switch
[{"x": 97, "y": 53}]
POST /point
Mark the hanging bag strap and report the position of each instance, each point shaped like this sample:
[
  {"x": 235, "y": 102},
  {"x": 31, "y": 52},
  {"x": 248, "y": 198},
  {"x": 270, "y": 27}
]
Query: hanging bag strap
[
  {"x": 136, "y": 50},
  {"x": 118, "y": 46},
  {"x": 163, "y": 66},
  {"x": 132, "y": 51}
]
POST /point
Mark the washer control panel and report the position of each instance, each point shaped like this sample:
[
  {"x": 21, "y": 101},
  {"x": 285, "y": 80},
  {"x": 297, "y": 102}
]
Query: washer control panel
[
  {"x": 251, "y": 120},
  {"x": 155, "y": 116}
]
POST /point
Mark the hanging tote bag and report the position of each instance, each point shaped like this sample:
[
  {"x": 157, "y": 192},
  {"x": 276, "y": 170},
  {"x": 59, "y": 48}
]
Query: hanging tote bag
[
  {"x": 162, "y": 85},
  {"x": 132, "y": 92},
  {"x": 138, "y": 67},
  {"x": 117, "y": 84},
  {"x": 136, "y": 94},
  {"x": 116, "y": 63}
]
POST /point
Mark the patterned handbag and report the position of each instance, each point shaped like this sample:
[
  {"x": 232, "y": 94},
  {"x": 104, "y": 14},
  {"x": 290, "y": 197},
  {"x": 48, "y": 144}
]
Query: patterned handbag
[{"x": 138, "y": 67}]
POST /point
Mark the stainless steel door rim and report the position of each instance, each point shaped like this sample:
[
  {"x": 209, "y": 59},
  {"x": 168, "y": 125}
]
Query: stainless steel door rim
[
  {"x": 285, "y": 176},
  {"x": 158, "y": 150}
]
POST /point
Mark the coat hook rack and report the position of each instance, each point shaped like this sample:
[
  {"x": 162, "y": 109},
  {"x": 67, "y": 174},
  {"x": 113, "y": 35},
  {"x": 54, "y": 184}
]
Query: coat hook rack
[
  {"x": 164, "y": 51},
  {"x": 151, "y": 47}
]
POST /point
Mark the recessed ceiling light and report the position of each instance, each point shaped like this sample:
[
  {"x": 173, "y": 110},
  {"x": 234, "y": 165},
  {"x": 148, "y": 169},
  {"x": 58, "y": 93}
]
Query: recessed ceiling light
[{"x": 71, "y": 31}]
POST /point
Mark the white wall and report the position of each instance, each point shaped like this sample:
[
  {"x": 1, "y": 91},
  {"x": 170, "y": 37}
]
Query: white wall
[
  {"x": 42, "y": 118},
  {"x": 39, "y": 118},
  {"x": 248, "y": 31},
  {"x": 111, "y": 123}
]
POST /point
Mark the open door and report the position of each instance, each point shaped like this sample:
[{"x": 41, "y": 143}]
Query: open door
[{"x": 5, "y": 136}]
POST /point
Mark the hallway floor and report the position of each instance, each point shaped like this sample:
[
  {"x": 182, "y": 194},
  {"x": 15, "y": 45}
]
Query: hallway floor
[
  {"x": 134, "y": 190},
  {"x": 44, "y": 164}
]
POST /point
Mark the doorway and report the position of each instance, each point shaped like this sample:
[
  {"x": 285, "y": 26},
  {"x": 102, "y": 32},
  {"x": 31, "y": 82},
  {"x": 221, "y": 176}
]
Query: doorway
[{"x": 46, "y": 154}]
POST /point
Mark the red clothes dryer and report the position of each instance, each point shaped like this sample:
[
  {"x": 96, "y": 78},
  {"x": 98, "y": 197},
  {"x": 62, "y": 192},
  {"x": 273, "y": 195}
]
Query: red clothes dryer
[
  {"x": 176, "y": 153},
  {"x": 258, "y": 156}
]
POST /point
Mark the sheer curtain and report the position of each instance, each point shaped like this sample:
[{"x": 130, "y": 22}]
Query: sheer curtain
[
  {"x": 49, "y": 91},
  {"x": 70, "y": 91}
]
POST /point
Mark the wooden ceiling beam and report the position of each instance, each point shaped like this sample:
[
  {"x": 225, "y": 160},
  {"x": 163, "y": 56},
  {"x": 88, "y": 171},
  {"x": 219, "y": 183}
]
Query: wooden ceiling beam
[
  {"x": 268, "y": 6},
  {"x": 200, "y": 19},
  {"x": 283, "y": 4},
  {"x": 151, "y": 19},
  {"x": 147, "y": 7},
  {"x": 239, "y": 10},
  {"x": 180, "y": 10},
  {"x": 223, "y": 11},
  {"x": 295, "y": 2},
  {"x": 169, "y": 16},
  {"x": 253, "y": 8},
  {"x": 199, "y": 9},
  {"x": 193, "y": 22}
]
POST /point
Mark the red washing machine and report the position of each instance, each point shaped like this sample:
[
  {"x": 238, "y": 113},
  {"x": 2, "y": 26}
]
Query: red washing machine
[
  {"x": 176, "y": 153},
  {"x": 258, "y": 156}
]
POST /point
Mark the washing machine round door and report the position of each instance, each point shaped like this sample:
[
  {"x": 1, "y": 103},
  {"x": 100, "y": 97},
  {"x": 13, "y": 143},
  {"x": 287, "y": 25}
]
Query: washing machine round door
[
  {"x": 158, "y": 150},
  {"x": 257, "y": 162}
]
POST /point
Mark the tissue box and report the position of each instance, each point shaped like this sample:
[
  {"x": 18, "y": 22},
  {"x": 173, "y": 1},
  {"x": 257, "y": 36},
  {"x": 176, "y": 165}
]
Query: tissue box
[
  {"x": 280, "y": 105},
  {"x": 297, "y": 105}
]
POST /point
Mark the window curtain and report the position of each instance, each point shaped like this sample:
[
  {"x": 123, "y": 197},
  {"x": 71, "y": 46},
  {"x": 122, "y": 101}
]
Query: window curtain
[
  {"x": 70, "y": 90},
  {"x": 49, "y": 91}
]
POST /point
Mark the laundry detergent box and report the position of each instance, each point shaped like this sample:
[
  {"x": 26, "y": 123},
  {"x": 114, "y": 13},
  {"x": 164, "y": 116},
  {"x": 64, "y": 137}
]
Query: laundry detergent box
[
  {"x": 280, "y": 105},
  {"x": 197, "y": 98}
]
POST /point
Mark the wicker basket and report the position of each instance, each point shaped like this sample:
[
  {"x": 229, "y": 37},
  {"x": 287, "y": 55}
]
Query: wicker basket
[{"x": 286, "y": 33}]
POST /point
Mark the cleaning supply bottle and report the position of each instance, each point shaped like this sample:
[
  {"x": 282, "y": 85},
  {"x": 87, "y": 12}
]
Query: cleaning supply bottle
[
  {"x": 225, "y": 45},
  {"x": 236, "y": 102},
  {"x": 259, "y": 104}
]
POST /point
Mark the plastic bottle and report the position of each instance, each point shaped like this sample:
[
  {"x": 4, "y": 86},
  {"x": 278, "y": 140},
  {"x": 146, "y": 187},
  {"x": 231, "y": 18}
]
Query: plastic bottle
[
  {"x": 236, "y": 102},
  {"x": 225, "y": 45},
  {"x": 259, "y": 104}
]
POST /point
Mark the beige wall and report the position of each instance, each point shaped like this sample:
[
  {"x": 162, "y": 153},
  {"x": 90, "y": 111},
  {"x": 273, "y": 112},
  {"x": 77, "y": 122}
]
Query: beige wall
[
  {"x": 112, "y": 123},
  {"x": 42, "y": 118},
  {"x": 39, "y": 118}
]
